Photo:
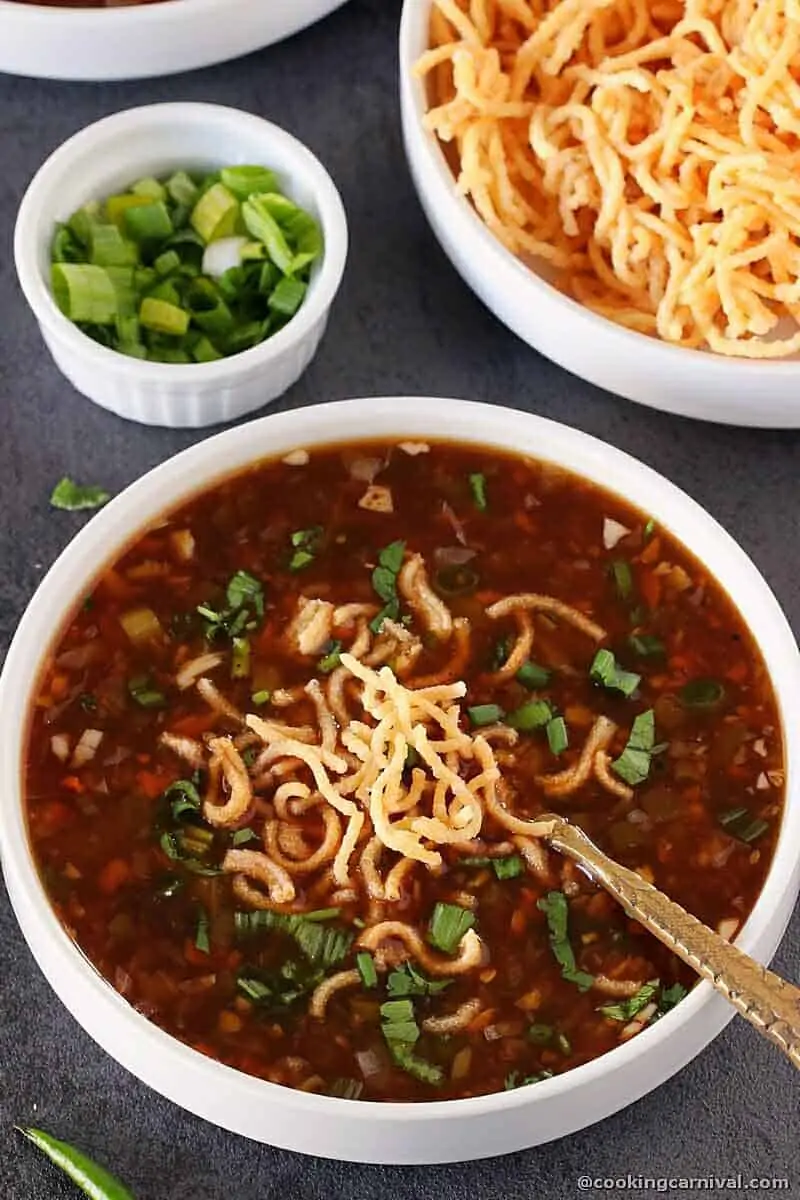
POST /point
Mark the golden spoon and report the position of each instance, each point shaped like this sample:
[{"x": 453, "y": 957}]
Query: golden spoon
[{"x": 764, "y": 999}]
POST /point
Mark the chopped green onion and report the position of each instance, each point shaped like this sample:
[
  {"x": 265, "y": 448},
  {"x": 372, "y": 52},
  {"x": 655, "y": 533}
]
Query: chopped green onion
[
  {"x": 245, "y": 181},
  {"x": 163, "y": 317},
  {"x": 204, "y": 351},
  {"x": 406, "y": 980},
  {"x": 324, "y": 947},
  {"x": 623, "y": 578},
  {"x": 243, "y": 589},
  {"x": 240, "y": 658},
  {"x": 167, "y": 262},
  {"x": 201, "y": 938},
  {"x": 398, "y": 1023},
  {"x": 562, "y": 1043},
  {"x": 649, "y": 530},
  {"x": 418, "y": 1068},
  {"x": 182, "y": 188},
  {"x": 150, "y": 188},
  {"x": 532, "y": 676},
  {"x": 606, "y": 672},
  {"x": 702, "y": 694},
  {"x": 741, "y": 823},
  {"x": 73, "y": 497},
  {"x": 534, "y": 715},
  {"x": 366, "y": 969},
  {"x": 541, "y": 1034},
  {"x": 646, "y": 645},
  {"x": 240, "y": 837},
  {"x": 184, "y": 799},
  {"x": 300, "y": 559},
  {"x": 624, "y": 1010},
  {"x": 557, "y": 735},
  {"x": 287, "y": 297},
  {"x": 508, "y": 868},
  {"x": 322, "y": 914},
  {"x": 261, "y": 225},
  {"x": 670, "y": 997},
  {"x": 145, "y": 695},
  {"x": 448, "y": 924},
  {"x": 331, "y": 659},
  {"x": 556, "y": 909},
  {"x": 215, "y": 214},
  {"x": 384, "y": 581},
  {"x": 149, "y": 222},
  {"x": 513, "y": 1080},
  {"x": 633, "y": 765},
  {"x": 84, "y": 293},
  {"x": 111, "y": 249},
  {"x": 259, "y": 699},
  {"x": 183, "y": 850},
  {"x": 484, "y": 714},
  {"x": 477, "y": 485}
]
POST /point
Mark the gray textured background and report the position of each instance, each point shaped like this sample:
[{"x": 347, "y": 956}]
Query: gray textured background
[{"x": 403, "y": 323}]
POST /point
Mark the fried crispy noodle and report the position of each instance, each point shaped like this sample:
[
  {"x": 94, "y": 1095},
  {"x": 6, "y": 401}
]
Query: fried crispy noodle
[
  {"x": 413, "y": 585},
  {"x": 215, "y": 699},
  {"x": 305, "y": 864},
  {"x": 247, "y": 865},
  {"x": 311, "y": 627},
  {"x": 615, "y": 987},
  {"x": 575, "y": 777},
  {"x": 322, "y": 995},
  {"x": 293, "y": 798},
  {"x": 456, "y": 1021},
  {"x": 604, "y": 776},
  {"x": 190, "y": 750},
  {"x": 470, "y": 950},
  {"x": 456, "y": 664},
  {"x": 646, "y": 152},
  {"x": 234, "y": 771},
  {"x": 532, "y": 602},
  {"x": 520, "y": 651}
]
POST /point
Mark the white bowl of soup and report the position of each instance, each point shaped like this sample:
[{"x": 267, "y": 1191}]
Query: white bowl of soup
[
  {"x": 522, "y": 270},
  {"x": 135, "y": 39},
  {"x": 279, "y": 725}
]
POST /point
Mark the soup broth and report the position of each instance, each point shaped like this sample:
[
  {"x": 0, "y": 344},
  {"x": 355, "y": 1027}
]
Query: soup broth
[{"x": 265, "y": 809}]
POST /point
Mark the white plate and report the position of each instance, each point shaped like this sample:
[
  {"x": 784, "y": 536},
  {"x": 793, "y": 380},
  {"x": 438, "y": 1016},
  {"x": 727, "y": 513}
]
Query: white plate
[{"x": 141, "y": 41}]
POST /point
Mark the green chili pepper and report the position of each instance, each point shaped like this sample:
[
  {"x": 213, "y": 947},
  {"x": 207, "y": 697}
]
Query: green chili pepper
[{"x": 93, "y": 1180}]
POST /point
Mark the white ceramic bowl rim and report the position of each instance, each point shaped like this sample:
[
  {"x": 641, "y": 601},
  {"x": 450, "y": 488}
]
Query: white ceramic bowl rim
[
  {"x": 413, "y": 43},
  {"x": 199, "y": 468},
  {"x": 326, "y": 274}
]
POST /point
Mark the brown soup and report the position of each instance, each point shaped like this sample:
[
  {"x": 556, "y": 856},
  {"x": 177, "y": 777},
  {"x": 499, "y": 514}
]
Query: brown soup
[{"x": 321, "y": 887}]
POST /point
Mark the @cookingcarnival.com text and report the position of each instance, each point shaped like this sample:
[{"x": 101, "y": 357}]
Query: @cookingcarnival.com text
[{"x": 683, "y": 1183}]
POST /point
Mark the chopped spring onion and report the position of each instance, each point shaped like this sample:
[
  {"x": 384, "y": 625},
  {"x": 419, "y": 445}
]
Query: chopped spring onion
[
  {"x": 306, "y": 543},
  {"x": 532, "y": 676},
  {"x": 418, "y": 1068},
  {"x": 702, "y": 694},
  {"x": 623, "y": 578},
  {"x": 146, "y": 696},
  {"x": 633, "y": 765},
  {"x": 407, "y": 980},
  {"x": 240, "y": 837},
  {"x": 240, "y": 658},
  {"x": 448, "y": 924},
  {"x": 73, "y": 497},
  {"x": 186, "y": 848},
  {"x": 485, "y": 714},
  {"x": 555, "y": 907},
  {"x": 533, "y": 715},
  {"x": 331, "y": 659},
  {"x": 186, "y": 270},
  {"x": 670, "y": 997},
  {"x": 183, "y": 798},
  {"x": 84, "y": 293},
  {"x": 508, "y": 868},
  {"x": 513, "y": 1080},
  {"x": 259, "y": 699},
  {"x": 398, "y": 1023},
  {"x": 649, "y": 530},
  {"x": 625, "y": 1009},
  {"x": 277, "y": 990},
  {"x": 541, "y": 1034},
  {"x": 244, "y": 589},
  {"x": 477, "y": 486},
  {"x": 504, "y": 868},
  {"x": 562, "y": 1043},
  {"x": 201, "y": 938},
  {"x": 384, "y": 581},
  {"x": 606, "y": 672},
  {"x": 325, "y": 947},
  {"x": 322, "y": 914},
  {"x": 366, "y": 969},
  {"x": 557, "y": 735},
  {"x": 741, "y": 824},
  {"x": 646, "y": 645}
]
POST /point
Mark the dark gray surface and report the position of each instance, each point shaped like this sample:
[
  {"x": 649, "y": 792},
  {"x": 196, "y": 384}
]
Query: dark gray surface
[{"x": 403, "y": 323}]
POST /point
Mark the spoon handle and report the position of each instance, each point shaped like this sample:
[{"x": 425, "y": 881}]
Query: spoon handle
[{"x": 764, "y": 999}]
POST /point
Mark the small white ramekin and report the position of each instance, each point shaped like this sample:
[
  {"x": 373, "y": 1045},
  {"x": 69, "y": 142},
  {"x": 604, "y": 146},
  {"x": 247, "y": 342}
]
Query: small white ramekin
[{"x": 155, "y": 140}]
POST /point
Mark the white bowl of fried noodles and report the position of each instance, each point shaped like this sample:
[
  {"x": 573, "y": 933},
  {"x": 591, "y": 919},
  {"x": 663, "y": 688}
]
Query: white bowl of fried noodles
[{"x": 636, "y": 219}]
